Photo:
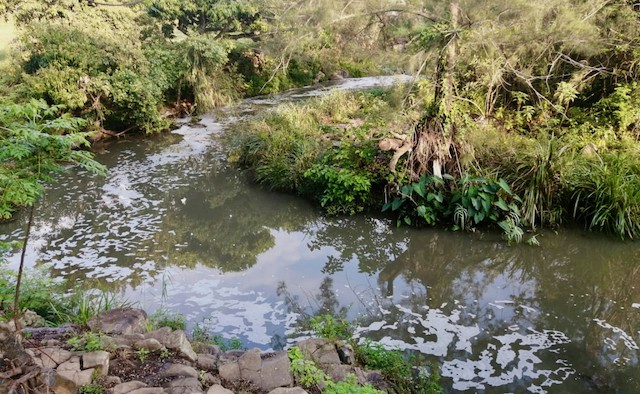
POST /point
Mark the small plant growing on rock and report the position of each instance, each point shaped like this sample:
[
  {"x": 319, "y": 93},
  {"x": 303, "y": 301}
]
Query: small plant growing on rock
[
  {"x": 164, "y": 318},
  {"x": 91, "y": 389},
  {"x": 142, "y": 354},
  {"x": 331, "y": 328},
  {"x": 89, "y": 342}
]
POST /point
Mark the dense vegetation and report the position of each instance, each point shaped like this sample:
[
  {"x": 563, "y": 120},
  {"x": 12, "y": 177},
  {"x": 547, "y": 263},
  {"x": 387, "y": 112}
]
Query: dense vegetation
[
  {"x": 530, "y": 110},
  {"x": 527, "y": 116}
]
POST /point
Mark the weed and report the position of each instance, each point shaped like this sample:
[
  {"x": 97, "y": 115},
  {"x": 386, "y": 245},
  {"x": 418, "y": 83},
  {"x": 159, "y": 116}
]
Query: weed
[
  {"x": 165, "y": 318},
  {"x": 38, "y": 293},
  {"x": 200, "y": 334},
  {"x": 331, "y": 328},
  {"x": 142, "y": 354},
  {"x": 309, "y": 375},
  {"x": 164, "y": 354},
  {"x": 91, "y": 389},
  {"x": 85, "y": 305},
  {"x": 89, "y": 342}
]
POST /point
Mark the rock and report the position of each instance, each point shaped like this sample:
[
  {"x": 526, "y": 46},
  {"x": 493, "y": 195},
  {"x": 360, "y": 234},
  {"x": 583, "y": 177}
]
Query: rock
[
  {"x": 287, "y": 390},
  {"x": 32, "y": 319},
  {"x": 345, "y": 352},
  {"x": 124, "y": 388},
  {"x": 338, "y": 372},
  {"x": 98, "y": 360},
  {"x": 174, "y": 370},
  {"x": 52, "y": 357},
  {"x": 79, "y": 378},
  {"x": 213, "y": 350},
  {"x": 319, "y": 351},
  {"x": 64, "y": 385},
  {"x": 52, "y": 343},
  {"x": 149, "y": 390},
  {"x": 184, "y": 386},
  {"x": 210, "y": 380},
  {"x": 217, "y": 389},
  {"x": 72, "y": 364},
  {"x": 111, "y": 381},
  {"x": 338, "y": 75},
  {"x": 231, "y": 355},
  {"x": 46, "y": 333},
  {"x": 119, "y": 321},
  {"x": 174, "y": 340},
  {"x": 149, "y": 344},
  {"x": 276, "y": 372},
  {"x": 207, "y": 362},
  {"x": 250, "y": 363},
  {"x": 229, "y": 371}
]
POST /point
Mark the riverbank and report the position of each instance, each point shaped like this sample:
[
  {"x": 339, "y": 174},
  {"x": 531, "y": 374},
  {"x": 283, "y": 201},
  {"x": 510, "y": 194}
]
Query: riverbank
[
  {"x": 354, "y": 152},
  {"x": 118, "y": 353}
]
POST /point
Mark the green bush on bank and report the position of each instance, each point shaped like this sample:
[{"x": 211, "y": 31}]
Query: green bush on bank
[
  {"x": 325, "y": 148},
  {"x": 520, "y": 172}
]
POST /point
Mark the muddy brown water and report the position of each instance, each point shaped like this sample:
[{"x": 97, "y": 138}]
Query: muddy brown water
[{"x": 174, "y": 226}]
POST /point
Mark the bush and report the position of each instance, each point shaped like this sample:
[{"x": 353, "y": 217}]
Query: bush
[
  {"x": 324, "y": 149},
  {"x": 100, "y": 74},
  {"x": 605, "y": 193}
]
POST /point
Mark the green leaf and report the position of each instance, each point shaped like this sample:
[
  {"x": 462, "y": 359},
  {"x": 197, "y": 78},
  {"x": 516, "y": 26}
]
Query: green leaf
[
  {"x": 503, "y": 184},
  {"x": 397, "y": 203},
  {"x": 422, "y": 210},
  {"x": 419, "y": 188},
  {"x": 501, "y": 204}
]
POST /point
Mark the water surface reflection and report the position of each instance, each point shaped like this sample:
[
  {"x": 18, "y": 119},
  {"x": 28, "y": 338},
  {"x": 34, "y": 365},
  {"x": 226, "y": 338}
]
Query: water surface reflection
[{"x": 246, "y": 262}]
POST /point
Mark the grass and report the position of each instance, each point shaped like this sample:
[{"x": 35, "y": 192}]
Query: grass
[{"x": 324, "y": 148}]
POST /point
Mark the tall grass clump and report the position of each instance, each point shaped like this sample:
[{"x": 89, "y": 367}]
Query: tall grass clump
[
  {"x": 537, "y": 176},
  {"x": 605, "y": 193},
  {"x": 280, "y": 146},
  {"x": 325, "y": 148}
]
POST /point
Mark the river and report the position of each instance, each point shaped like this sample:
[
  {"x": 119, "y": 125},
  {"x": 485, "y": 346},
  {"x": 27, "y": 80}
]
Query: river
[{"x": 173, "y": 225}]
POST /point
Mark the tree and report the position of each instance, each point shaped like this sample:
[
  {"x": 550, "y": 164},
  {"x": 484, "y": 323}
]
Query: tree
[{"x": 221, "y": 18}]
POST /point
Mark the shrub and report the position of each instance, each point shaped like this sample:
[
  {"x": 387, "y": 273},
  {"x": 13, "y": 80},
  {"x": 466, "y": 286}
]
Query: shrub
[
  {"x": 100, "y": 73},
  {"x": 605, "y": 193}
]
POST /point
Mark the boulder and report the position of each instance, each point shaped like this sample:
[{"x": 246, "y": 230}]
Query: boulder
[
  {"x": 175, "y": 370},
  {"x": 207, "y": 362},
  {"x": 229, "y": 371},
  {"x": 250, "y": 364},
  {"x": 119, "y": 321},
  {"x": 148, "y": 390},
  {"x": 52, "y": 357},
  {"x": 72, "y": 364},
  {"x": 217, "y": 389},
  {"x": 319, "y": 351},
  {"x": 78, "y": 378},
  {"x": 174, "y": 340},
  {"x": 209, "y": 379},
  {"x": 124, "y": 388},
  {"x": 289, "y": 390},
  {"x": 276, "y": 372},
  {"x": 184, "y": 386},
  {"x": 150, "y": 344},
  {"x": 98, "y": 360}
]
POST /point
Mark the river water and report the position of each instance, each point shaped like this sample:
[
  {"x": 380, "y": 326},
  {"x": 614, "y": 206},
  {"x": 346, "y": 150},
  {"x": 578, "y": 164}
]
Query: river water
[{"x": 174, "y": 226}]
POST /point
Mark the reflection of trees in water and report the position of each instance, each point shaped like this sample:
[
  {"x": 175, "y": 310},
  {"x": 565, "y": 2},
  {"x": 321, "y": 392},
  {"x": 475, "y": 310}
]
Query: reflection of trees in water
[
  {"x": 223, "y": 224},
  {"x": 570, "y": 280}
]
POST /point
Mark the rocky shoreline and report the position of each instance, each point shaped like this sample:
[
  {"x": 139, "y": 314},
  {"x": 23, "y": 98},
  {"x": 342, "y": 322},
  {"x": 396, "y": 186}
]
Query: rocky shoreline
[{"x": 132, "y": 360}]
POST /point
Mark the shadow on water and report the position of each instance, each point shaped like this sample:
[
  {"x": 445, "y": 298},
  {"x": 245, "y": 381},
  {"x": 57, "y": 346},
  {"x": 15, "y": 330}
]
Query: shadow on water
[{"x": 172, "y": 218}]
